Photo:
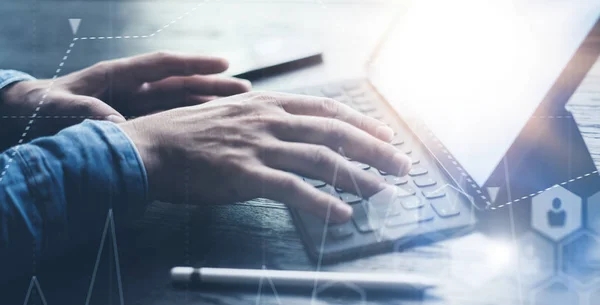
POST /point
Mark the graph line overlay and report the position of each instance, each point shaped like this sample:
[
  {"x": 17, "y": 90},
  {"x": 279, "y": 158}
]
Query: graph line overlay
[
  {"x": 59, "y": 69},
  {"x": 541, "y": 191},
  {"x": 34, "y": 283},
  {"x": 109, "y": 224},
  {"x": 36, "y": 111}
]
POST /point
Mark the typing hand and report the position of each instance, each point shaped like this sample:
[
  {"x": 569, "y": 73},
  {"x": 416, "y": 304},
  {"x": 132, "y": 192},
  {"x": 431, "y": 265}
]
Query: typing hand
[
  {"x": 245, "y": 147},
  {"x": 113, "y": 90}
]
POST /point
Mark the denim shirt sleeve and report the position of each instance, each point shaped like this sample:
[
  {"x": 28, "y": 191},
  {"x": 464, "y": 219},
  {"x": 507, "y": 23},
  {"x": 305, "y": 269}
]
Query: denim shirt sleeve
[
  {"x": 8, "y": 77},
  {"x": 56, "y": 193}
]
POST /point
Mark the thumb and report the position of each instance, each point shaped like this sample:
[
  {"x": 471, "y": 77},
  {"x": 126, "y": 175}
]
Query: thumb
[{"x": 93, "y": 108}]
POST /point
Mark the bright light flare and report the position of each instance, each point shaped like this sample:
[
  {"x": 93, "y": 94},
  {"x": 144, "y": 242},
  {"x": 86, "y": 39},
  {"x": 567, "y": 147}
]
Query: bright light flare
[
  {"x": 500, "y": 254},
  {"x": 475, "y": 71}
]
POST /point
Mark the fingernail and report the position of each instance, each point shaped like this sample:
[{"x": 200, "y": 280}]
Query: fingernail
[
  {"x": 386, "y": 188},
  {"x": 247, "y": 83},
  {"x": 384, "y": 133},
  {"x": 403, "y": 162},
  {"x": 343, "y": 211},
  {"x": 115, "y": 118}
]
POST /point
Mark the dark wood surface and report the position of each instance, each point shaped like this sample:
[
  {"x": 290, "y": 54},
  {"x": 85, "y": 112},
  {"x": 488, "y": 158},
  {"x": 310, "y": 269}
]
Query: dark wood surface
[{"x": 35, "y": 34}]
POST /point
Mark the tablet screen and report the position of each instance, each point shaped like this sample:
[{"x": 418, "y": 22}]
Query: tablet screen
[{"x": 474, "y": 71}]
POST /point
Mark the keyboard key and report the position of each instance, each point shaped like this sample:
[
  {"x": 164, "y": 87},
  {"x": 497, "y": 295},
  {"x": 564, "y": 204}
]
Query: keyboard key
[
  {"x": 341, "y": 231},
  {"x": 349, "y": 197},
  {"x": 315, "y": 182},
  {"x": 415, "y": 161},
  {"x": 434, "y": 194},
  {"x": 343, "y": 99},
  {"x": 417, "y": 171},
  {"x": 424, "y": 181},
  {"x": 376, "y": 115},
  {"x": 332, "y": 91},
  {"x": 407, "y": 150},
  {"x": 329, "y": 190},
  {"x": 411, "y": 217},
  {"x": 412, "y": 202},
  {"x": 361, "y": 100},
  {"x": 361, "y": 165},
  {"x": 384, "y": 173},
  {"x": 365, "y": 223},
  {"x": 356, "y": 92},
  {"x": 397, "y": 141},
  {"x": 406, "y": 190},
  {"x": 396, "y": 180},
  {"x": 445, "y": 207},
  {"x": 365, "y": 108},
  {"x": 384, "y": 210}
]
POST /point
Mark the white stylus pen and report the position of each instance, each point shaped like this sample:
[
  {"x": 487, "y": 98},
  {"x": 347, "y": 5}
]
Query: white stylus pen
[{"x": 298, "y": 279}]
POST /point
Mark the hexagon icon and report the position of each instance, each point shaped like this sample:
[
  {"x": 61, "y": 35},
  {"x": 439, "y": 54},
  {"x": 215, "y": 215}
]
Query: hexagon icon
[
  {"x": 556, "y": 213},
  {"x": 535, "y": 259},
  {"x": 556, "y": 293},
  {"x": 581, "y": 258},
  {"x": 593, "y": 213},
  {"x": 594, "y": 297}
]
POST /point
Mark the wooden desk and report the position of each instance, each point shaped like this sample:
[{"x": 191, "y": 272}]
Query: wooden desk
[{"x": 249, "y": 235}]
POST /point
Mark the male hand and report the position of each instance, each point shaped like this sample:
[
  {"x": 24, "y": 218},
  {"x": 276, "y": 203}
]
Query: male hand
[
  {"x": 252, "y": 145},
  {"x": 114, "y": 90}
]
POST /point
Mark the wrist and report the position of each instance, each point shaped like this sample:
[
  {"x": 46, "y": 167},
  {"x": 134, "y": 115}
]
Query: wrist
[
  {"x": 149, "y": 150},
  {"x": 9, "y": 94},
  {"x": 8, "y": 80}
]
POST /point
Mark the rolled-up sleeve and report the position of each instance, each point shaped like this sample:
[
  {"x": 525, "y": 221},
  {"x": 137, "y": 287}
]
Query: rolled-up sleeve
[{"x": 56, "y": 192}]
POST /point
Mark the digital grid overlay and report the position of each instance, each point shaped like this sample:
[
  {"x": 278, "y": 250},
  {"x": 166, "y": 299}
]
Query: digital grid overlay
[{"x": 109, "y": 228}]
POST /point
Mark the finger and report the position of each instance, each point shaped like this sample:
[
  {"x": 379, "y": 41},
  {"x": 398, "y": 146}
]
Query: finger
[
  {"x": 199, "y": 99},
  {"x": 156, "y": 66},
  {"x": 85, "y": 107},
  {"x": 320, "y": 162},
  {"x": 291, "y": 190},
  {"x": 200, "y": 85},
  {"x": 326, "y": 107},
  {"x": 354, "y": 142},
  {"x": 158, "y": 104}
]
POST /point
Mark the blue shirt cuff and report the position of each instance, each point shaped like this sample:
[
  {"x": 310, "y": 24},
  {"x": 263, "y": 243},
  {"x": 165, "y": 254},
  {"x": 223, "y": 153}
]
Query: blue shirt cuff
[
  {"x": 77, "y": 177},
  {"x": 8, "y": 77}
]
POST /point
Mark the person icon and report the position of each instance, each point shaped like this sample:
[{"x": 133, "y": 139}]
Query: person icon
[{"x": 557, "y": 216}]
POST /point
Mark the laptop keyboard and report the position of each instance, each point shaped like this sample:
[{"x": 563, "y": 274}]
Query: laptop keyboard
[{"x": 427, "y": 202}]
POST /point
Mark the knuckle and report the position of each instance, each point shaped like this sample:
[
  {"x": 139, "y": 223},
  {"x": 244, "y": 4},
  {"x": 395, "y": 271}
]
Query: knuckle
[
  {"x": 101, "y": 70},
  {"x": 265, "y": 101},
  {"x": 330, "y": 106},
  {"x": 384, "y": 149},
  {"x": 265, "y": 108},
  {"x": 102, "y": 65},
  {"x": 267, "y": 148},
  {"x": 238, "y": 108},
  {"x": 257, "y": 95},
  {"x": 335, "y": 131},
  {"x": 363, "y": 121},
  {"x": 273, "y": 121},
  {"x": 251, "y": 94},
  {"x": 162, "y": 55},
  {"x": 290, "y": 184},
  {"x": 321, "y": 156},
  {"x": 284, "y": 124}
]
